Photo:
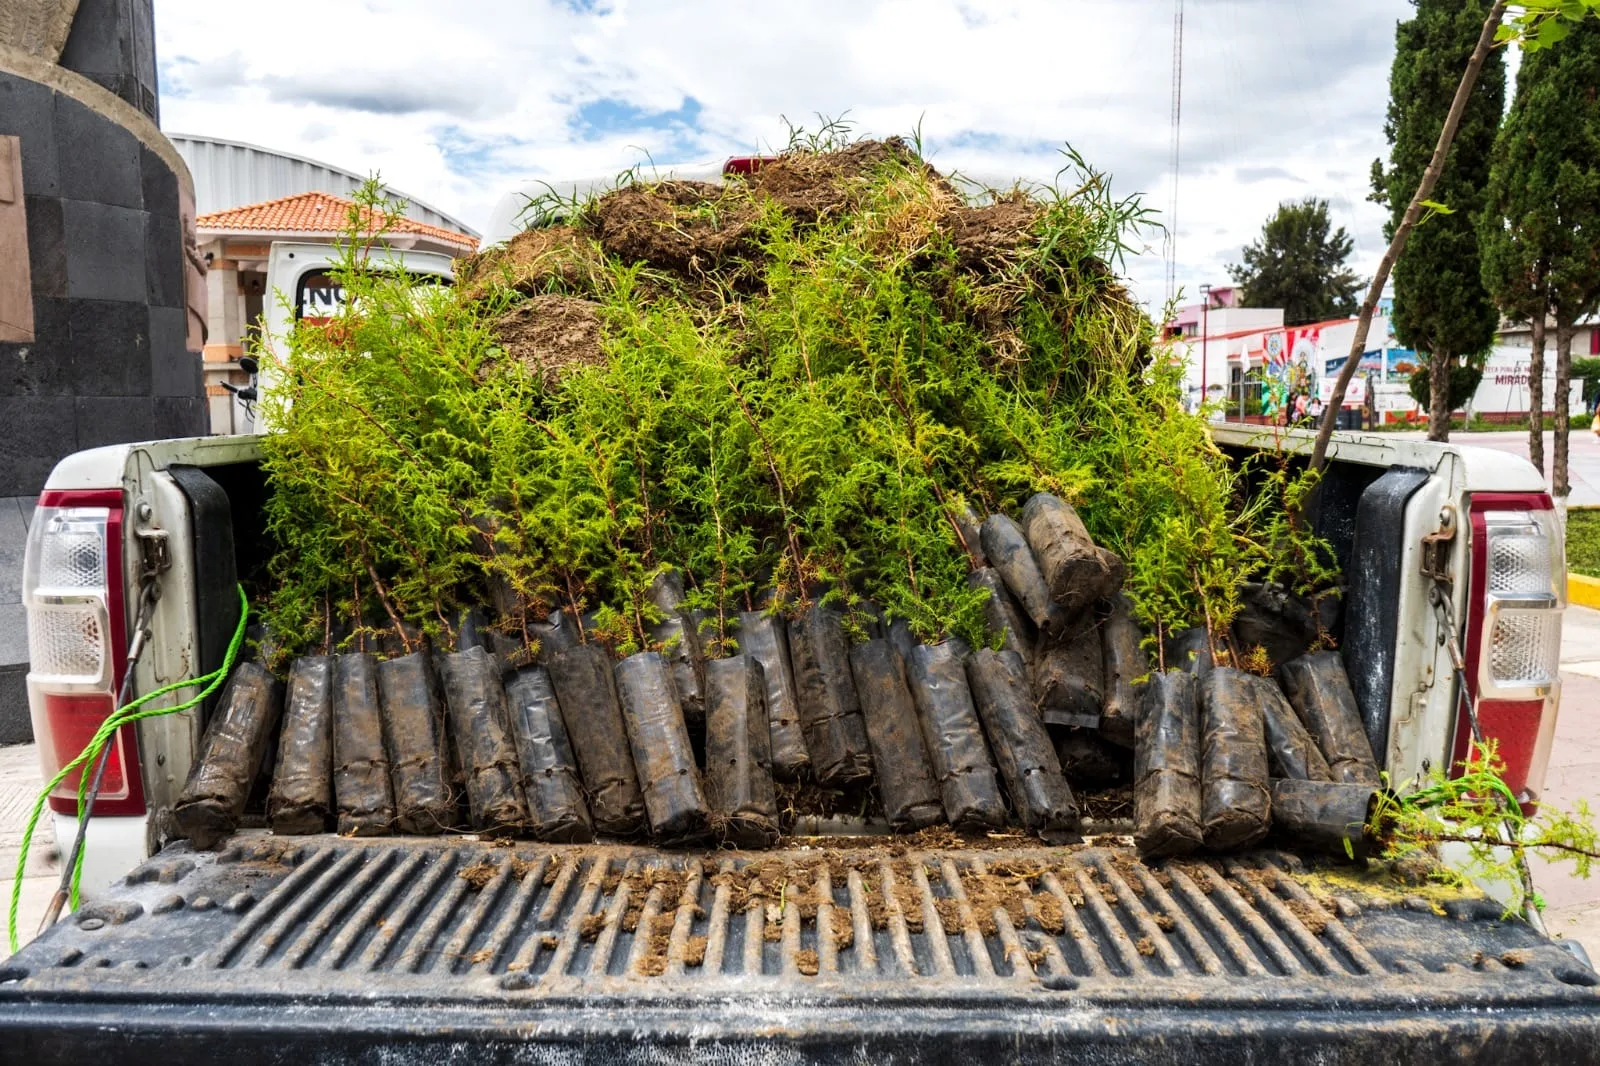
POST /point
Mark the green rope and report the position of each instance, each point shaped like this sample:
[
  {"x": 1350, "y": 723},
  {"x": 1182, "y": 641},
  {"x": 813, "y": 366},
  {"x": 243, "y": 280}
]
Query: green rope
[{"x": 116, "y": 720}]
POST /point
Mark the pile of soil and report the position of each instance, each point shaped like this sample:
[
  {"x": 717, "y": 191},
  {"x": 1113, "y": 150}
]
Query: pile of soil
[
  {"x": 545, "y": 259},
  {"x": 549, "y": 333},
  {"x": 683, "y": 227}
]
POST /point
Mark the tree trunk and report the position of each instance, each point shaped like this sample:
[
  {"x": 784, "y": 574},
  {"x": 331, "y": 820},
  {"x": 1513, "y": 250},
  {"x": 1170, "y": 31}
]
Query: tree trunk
[
  {"x": 1402, "y": 232},
  {"x": 1439, "y": 364},
  {"x": 1536, "y": 394},
  {"x": 1558, "y": 464}
]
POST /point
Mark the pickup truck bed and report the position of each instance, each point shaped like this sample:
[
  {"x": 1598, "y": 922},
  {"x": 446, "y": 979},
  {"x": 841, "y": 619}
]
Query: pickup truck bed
[{"x": 321, "y": 949}]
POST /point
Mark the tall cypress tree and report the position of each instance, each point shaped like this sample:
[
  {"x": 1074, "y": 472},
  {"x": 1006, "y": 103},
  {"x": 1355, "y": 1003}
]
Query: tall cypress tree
[
  {"x": 1517, "y": 232},
  {"x": 1564, "y": 115},
  {"x": 1441, "y": 306}
]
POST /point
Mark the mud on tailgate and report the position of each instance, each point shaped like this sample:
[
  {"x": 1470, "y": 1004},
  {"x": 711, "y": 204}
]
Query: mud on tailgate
[{"x": 326, "y": 948}]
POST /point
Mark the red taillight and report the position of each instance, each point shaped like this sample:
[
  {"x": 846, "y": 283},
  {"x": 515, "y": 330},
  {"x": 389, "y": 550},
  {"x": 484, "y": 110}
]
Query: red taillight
[
  {"x": 1513, "y": 653},
  {"x": 72, "y": 721},
  {"x": 746, "y": 164},
  {"x": 77, "y": 645}
]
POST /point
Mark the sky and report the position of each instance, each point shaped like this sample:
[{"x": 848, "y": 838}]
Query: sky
[{"x": 457, "y": 103}]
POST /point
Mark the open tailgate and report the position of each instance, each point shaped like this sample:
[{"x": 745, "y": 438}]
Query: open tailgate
[{"x": 316, "y": 949}]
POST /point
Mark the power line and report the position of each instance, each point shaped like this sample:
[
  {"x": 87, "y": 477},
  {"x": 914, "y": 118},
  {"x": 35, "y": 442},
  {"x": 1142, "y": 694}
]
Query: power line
[{"x": 1177, "y": 118}]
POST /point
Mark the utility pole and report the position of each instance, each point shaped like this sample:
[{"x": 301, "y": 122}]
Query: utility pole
[
  {"x": 1205, "y": 341},
  {"x": 1172, "y": 161}
]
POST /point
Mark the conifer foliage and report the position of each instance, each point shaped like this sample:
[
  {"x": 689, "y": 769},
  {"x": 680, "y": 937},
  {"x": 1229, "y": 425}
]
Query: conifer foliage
[{"x": 803, "y": 376}]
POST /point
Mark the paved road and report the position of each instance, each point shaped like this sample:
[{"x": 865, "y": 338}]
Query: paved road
[{"x": 1583, "y": 460}]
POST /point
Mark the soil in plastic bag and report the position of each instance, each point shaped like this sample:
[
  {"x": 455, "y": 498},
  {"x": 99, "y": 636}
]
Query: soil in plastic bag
[
  {"x": 587, "y": 690},
  {"x": 413, "y": 733},
  {"x": 554, "y": 635},
  {"x": 911, "y": 799},
  {"x": 1022, "y": 749},
  {"x": 738, "y": 779},
  {"x": 898, "y": 634},
  {"x": 1090, "y": 761},
  {"x": 1002, "y": 615},
  {"x": 1190, "y": 651},
  {"x": 550, "y": 782},
  {"x": 362, "y": 792},
  {"x": 1331, "y": 817},
  {"x": 1285, "y": 623},
  {"x": 480, "y": 723},
  {"x": 1166, "y": 766},
  {"x": 1320, "y": 693},
  {"x": 1078, "y": 572},
  {"x": 830, "y": 711},
  {"x": 472, "y": 628},
  {"x": 1008, "y": 552},
  {"x": 1291, "y": 751},
  {"x": 1125, "y": 663},
  {"x": 662, "y": 756},
  {"x": 1235, "y": 803},
  {"x": 954, "y": 737},
  {"x": 680, "y": 641},
  {"x": 301, "y": 800},
  {"x": 765, "y": 638},
  {"x": 1069, "y": 680},
  {"x": 231, "y": 755}
]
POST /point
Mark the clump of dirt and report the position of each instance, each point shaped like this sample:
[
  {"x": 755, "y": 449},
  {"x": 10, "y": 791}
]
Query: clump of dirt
[
  {"x": 653, "y": 962},
  {"x": 549, "y": 941},
  {"x": 1163, "y": 921},
  {"x": 479, "y": 874},
  {"x": 988, "y": 238},
  {"x": 806, "y": 962},
  {"x": 809, "y": 185},
  {"x": 1145, "y": 946},
  {"x": 551, "y": 334},
  {"x": 540, "y": 260},
  {"x": 1517, "y": 958},
  {"x": 694, "y": 951},
  {"x": 1311, "y": 916},
  {"x": 589, "y": 928},
  {"x": 686, "y": 227},
  {"x": 521, "y": 868}
]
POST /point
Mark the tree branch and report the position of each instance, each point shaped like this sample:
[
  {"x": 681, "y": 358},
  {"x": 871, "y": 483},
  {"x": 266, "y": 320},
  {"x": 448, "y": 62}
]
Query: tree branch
[{"x": 1430, "y": 177}]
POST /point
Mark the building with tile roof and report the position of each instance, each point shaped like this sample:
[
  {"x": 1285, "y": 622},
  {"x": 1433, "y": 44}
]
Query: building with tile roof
[{"x": 236, "y": 243}]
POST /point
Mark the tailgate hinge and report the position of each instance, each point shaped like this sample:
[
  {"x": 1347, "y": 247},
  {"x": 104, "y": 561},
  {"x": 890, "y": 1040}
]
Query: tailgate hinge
[
  {"x": 152, "y": 541},
  {"x": 1436, "y": 549}
]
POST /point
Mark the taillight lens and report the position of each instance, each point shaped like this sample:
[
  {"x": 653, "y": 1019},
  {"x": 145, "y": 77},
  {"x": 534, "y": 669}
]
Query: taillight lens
[
  {"x": 72, "y": 588},
  {"x": 1518, "y": 593}
]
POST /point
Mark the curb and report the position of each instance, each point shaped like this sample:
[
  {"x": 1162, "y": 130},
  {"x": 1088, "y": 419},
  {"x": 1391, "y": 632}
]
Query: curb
[{"x": 1583, "y": 591}]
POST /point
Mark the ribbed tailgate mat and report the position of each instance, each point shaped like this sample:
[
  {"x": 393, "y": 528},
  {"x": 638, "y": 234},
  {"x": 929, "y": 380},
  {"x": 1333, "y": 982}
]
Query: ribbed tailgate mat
[{"x": 325, "y": 916}]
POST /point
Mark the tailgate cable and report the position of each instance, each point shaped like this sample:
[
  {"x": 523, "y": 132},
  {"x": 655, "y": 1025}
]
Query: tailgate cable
[
  {"x": 1439, "y": 597},
  {"x": 99, "y": 748}
]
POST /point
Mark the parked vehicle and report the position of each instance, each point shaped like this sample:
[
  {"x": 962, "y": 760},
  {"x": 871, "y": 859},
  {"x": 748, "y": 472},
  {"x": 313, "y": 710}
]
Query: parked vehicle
[{"x": 321, "y": 948}]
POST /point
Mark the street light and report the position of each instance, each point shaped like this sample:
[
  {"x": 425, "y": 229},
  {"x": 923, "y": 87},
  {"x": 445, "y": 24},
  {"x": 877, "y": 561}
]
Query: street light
[{"x": 1205, "y": 341}]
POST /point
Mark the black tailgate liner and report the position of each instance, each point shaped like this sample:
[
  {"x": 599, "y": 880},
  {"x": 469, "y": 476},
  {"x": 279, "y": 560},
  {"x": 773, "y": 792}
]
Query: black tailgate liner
[{"x": 325, "y": 949}]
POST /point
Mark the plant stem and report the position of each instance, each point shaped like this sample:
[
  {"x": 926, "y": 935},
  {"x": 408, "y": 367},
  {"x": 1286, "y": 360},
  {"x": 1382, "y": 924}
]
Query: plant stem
[{"x": 1402, "y": 233}]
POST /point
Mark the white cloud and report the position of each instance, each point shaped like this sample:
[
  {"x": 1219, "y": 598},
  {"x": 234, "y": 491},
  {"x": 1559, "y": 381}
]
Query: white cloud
[{"x": 455, "y": 103}]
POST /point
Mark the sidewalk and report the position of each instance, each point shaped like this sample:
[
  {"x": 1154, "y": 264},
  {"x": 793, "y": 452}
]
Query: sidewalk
[
  {"x": 19, "y": 787},
  {"x": 1573, "y": 905}
]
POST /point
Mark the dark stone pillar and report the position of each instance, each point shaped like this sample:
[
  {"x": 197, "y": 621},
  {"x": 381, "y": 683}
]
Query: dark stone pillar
[{"x": 108, "y": 357}]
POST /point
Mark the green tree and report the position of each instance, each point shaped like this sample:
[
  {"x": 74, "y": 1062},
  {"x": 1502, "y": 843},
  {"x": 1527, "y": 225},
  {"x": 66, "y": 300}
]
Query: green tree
[
  {"x": 1538, "y": 230},
  {"x": 1441, "y": 306},
  {"x": 1299, "y": 265},
  {"x": 1517, "y": 232},
  {"x": 1565, "y": 117}
]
